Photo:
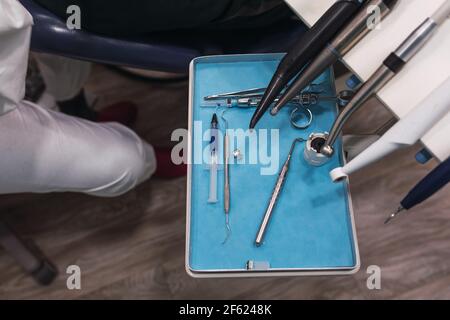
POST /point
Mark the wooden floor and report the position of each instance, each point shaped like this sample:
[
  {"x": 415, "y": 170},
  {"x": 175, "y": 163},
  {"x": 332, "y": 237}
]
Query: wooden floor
[{"x": 133, "y": 246}]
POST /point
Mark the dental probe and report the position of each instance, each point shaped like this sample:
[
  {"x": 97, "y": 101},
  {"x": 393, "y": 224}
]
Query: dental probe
[
  {"x": 427, "y": 187},
  {"x": 356, "y": 30},
  {"x": 276, "y": 192},
  {"x": 393, "y": 64},
  {"x": 405, "y": 133}
]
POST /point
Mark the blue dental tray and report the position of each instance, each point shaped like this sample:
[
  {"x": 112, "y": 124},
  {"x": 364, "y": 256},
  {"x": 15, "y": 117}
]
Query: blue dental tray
[{"x": 311, "y": 231}]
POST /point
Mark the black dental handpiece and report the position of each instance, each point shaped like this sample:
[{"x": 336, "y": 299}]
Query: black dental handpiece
[
  {"x": 344, "y": 41},
  {"x": 308, "y": 46}
]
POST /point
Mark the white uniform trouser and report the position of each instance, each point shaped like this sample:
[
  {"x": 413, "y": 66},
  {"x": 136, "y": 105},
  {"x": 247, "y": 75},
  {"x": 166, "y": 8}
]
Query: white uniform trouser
[{"x": 46, "y": 151}]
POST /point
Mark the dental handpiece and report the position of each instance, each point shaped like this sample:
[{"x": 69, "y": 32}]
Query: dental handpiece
[
  {"x": 275, "y": 193},
  {"x": 307, "y": 47},
  {"x": 393, "y": 64},
  {"x": 437, "y": 179},
  {"x": 405, "y": 133},
  {"x": 356, "y": 30}
]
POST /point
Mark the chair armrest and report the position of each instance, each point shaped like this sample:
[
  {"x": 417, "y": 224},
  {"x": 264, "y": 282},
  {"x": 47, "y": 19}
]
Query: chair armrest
[{"x": 50, "y": 35}]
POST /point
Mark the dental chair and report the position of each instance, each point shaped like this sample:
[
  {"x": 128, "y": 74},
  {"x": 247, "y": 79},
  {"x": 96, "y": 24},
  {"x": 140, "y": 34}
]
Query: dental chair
[
  {"x": 164, "y": 52},
  {"x": 27, "y": 254}
]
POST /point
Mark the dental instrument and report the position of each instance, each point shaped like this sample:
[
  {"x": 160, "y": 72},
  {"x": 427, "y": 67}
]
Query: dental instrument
[
  {"x": 276, "y": 192},
  {"x": 308, "y": 46},
  {"x": 356, "y": 30},
  {"x": 405, "y": 133},
  {"x": 393, "y": 64},
  {"x": 241, "y": 99},
  {"x": 252, "y": 97},
  {"x": 428, "y": 186},
  {"x": 213, "y": 146},
  {"x": 226, "y": 175},
  {"x": 237, "y": 94},
  {"x": 305, "y": 99},
  {"x": 299, "y": 112},
  {"x": 258, "y": 92}
]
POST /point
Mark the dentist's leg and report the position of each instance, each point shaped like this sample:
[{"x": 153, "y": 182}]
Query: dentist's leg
[
  {"x": 46, "y": 151},
  {"x": 64, "y": 78}
]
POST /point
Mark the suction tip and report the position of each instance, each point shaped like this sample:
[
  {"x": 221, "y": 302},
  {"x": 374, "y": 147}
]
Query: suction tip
[{"x": 338, "y": 174}]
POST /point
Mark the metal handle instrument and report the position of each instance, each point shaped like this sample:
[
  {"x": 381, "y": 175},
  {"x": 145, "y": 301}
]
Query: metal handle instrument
[
  {"x": 226, "y": 172},
  {"x": 276, "y": 192},
  {"x": 392, "y": 65}
]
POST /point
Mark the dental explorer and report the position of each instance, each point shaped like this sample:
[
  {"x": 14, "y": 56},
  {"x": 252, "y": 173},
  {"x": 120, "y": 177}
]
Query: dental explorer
[
  {"x": 226, "y": 172},
  {"x": 406, "y": 132},
  {"x": 213, "y": 146},
  {"x": 428, "y": 186},
  {"x": 356, "y": 30},
  {"x": 276, "y": 192},
  {"x": 393, "y": 64},
  {"x": 309, "y": 45}
]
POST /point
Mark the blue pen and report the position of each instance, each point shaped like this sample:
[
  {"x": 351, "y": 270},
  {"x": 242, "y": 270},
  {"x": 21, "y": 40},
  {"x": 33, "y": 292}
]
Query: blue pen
[{"x": 427, "y": 187}]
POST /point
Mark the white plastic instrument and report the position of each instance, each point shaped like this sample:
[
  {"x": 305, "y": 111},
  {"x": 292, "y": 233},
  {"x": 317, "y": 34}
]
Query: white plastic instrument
[{"x": 405, "y": 133}]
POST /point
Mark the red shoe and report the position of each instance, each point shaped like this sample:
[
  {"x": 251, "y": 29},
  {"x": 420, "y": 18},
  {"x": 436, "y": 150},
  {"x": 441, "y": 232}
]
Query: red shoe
[
  {"x": 121, "y": 112},
  {"x": 165, "y": 168}
]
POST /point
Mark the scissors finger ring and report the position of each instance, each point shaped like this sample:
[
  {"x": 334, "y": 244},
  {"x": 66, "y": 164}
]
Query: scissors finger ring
[{"x": 301, "y": 118}]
